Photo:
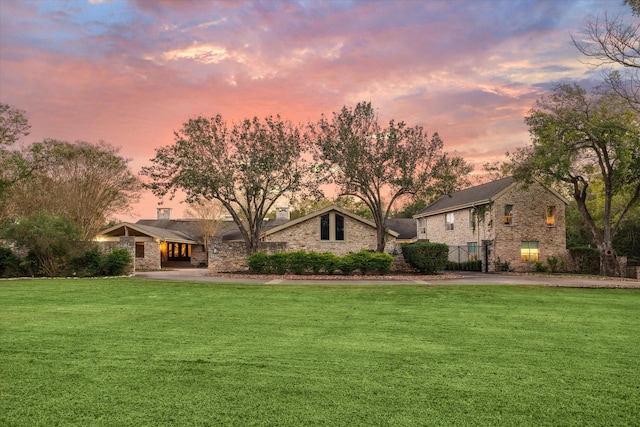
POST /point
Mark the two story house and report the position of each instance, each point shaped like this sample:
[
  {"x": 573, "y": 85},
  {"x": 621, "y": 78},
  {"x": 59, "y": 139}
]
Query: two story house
[{"x": 501, "y": 223}]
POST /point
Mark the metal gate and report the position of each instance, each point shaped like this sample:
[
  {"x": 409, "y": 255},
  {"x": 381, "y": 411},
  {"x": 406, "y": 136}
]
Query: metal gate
[{"x": 468, "y": 258}]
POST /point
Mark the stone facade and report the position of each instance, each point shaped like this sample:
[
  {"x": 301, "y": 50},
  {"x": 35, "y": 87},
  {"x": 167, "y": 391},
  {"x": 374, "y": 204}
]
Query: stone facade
[
  {"x": 306, "y": 235},
  {"x": 231, "y": 256},
  {"x": 127, "y": 243},
  {"x": 537, "y": 215}
]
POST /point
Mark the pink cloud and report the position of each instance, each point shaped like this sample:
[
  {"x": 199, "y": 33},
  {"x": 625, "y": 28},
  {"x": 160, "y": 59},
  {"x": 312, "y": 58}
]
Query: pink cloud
[{"x": 132, "y": 73}]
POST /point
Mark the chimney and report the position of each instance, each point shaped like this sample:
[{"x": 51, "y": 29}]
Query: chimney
[
  {"x": 282, "y": 212},
  {"x": 164, "y": 213}
]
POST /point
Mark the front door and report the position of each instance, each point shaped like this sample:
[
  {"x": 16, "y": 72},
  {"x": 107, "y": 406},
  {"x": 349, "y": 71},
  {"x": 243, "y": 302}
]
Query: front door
[{"x": 178, "y": 252}]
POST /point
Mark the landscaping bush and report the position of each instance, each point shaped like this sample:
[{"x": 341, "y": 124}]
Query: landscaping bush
[
  {"x": 381, "y": 262},
  {"x": 116, "y": 263},
  {"x": 278, "y": 262},
  {"x": 259, "y": 263},
  {"x": 9, "y": 263},
  {"x": 555, "y": 264},
  {"x": 329, "y": 262},
  {"x": 425, "y": 256},
  {"x": 299, "y": 261},
  {"x": 302, "y": 262}
]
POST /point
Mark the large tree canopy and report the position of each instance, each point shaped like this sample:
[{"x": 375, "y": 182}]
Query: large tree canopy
[
  {"x": 86, "y": 182},
  {"x": 247, "y": 166},
  {"x": 579, "y": 138},
  {"x": 380, "y": 164}
]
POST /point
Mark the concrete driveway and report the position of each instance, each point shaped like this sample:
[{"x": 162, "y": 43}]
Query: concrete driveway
[{"x": 462, "y": 278}]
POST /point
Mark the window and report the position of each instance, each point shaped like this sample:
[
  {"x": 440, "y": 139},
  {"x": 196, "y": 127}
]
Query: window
[
  {"x": 508, "y": 214},
  {"x": 339, "y": 227},
  {"x": 332, "y": 227},
  {"x": 529, "y": 251},
  {"x": 551, "y": 216},
  {"x": 139, "y": 249},
  {"x": 472, "y": 249},
  {"x": 324, "y": 227},
  {"x": 422, "y": 226},
  {"x": 448, "y": 221},
  {"x": 472, "y": 221}
]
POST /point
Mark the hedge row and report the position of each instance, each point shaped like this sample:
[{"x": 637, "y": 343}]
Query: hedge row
[
  {"x": 464, "y": 266},
  {"x": 303, "y": 262},
  {"x": 425, "y": 256},
  {"x": 586, "y": 260}
]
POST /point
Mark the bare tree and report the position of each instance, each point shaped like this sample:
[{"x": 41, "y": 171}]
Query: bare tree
[
  {"x": 614, "y": 44},
  {"x": 86, "y": 182},
  {"x": 208, "y": 213}
]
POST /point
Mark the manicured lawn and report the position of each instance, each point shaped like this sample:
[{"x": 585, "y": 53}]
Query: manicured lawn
[{"x": 133, "y": 352}]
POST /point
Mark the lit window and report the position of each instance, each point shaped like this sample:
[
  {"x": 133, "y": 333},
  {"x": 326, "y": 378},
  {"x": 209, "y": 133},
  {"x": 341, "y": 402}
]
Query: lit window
[
  {"x": 551, "y": 215},
  {"x": 529, "y": 251},
  {"x": 448, "y": 221},
  {"x": 139, "y": 249},
  {"x": 508, "y": 214},
  {"x": 472, "y": 249}
]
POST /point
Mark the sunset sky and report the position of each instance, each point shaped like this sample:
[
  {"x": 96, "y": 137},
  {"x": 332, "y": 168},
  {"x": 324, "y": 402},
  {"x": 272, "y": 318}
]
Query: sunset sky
[{"x": 130, "y": 73}]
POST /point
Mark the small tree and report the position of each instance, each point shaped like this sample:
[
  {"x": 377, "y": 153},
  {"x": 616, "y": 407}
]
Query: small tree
[
  {"x": 247, "y": 166},
  {"x": 380, "y": 165},
  {"x": 208, "y": 213}
]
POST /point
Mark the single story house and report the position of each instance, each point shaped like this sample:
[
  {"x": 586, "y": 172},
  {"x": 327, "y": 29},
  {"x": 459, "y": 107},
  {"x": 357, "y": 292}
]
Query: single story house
[
  {"x": 502, "y": 223},
  {"x": 164, "y": 242}
]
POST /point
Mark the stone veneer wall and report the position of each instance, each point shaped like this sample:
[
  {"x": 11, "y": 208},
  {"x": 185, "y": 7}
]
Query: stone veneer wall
[
  {"x": 151, "y": 260},
  {"x": 125, "y": 242},
  {"x": 229, "y": 257},
  {"x": 198, "y": 255},
  {"x": 306, "y": 236}
]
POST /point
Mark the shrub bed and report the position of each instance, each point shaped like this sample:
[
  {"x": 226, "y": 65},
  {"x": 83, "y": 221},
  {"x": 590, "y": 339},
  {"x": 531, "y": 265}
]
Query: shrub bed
[
  {"x": 464, "y": 266},
  {"x": 303, "y": 262}
]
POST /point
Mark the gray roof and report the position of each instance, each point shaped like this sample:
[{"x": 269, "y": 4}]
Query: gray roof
[
  {"x": 473, "y": 196},
  {"x": 405, "y": 227},
  {"x": 163, "y": 234},
  {"x": 185, "y": 227}
]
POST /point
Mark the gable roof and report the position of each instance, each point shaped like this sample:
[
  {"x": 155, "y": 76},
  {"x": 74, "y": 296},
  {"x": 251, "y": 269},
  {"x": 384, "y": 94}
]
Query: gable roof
[
  {"x": 474, "y": 196},
  {"x": 321, "y": 212},
  {"x": 162, "y": 234}
]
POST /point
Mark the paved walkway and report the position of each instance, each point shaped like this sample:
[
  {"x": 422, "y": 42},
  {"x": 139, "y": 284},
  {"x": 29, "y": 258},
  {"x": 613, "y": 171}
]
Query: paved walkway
[{"x": 464, "y": 278}]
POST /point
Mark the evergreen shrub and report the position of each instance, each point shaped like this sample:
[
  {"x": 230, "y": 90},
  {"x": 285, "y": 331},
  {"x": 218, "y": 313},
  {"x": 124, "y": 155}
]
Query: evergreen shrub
[
  {"x": 426, "y": 256},
  {"x": 302, "y": 262}
]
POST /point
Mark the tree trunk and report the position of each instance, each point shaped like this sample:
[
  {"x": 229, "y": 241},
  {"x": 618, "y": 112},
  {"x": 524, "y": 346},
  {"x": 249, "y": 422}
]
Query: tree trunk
[
  {"x": 381, "y": 234},
  {"x": 609, "y": 265}
]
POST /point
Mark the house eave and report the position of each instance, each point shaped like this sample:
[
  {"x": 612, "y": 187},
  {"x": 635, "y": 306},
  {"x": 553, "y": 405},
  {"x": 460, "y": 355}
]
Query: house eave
[{"x": 454, "y": 208}]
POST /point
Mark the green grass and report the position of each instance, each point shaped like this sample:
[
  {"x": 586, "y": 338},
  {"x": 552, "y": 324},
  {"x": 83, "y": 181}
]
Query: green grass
[{"x": 133, "y": 352}]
